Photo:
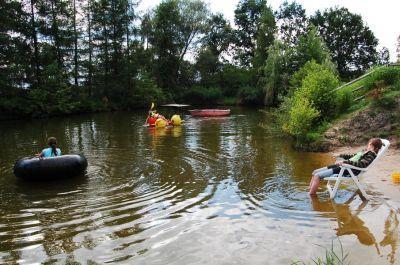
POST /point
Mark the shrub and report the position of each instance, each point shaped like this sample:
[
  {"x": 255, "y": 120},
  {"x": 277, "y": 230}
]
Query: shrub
[
  {"x": 309, "y": 67},
  {"x": 386, "y": 101},
  {"x": 200, "y": 95},
  {"x": 312, "y": 103},
  {"x": 344, "y": 99},
  {"x": 302, "y": 115},
  {"x": 317, "y": 88},
  {"x": 396, "y": 86},
  {"x": 146, "y": 91},
  {"x": 382, "y": 77},
  {"x": 250, "y": 95}
]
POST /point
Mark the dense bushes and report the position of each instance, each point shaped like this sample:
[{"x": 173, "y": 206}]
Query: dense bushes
[
  {"x": 383, "y": 86},
  {"x": 302, "y": 115},
  {"x": 385, "y": 76},
  {"x": 387, "y": 101},
  {"x": 200, "y": 95},
  {"x": 311, "y": 103}
]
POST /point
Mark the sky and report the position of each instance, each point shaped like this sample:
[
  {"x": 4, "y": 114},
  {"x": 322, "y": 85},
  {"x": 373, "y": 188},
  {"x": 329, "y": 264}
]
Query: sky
[{"x": 382, "y": 17}]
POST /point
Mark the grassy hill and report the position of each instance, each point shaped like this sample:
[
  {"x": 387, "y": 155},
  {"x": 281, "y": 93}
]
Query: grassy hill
[{"x": 374, "y": 110}]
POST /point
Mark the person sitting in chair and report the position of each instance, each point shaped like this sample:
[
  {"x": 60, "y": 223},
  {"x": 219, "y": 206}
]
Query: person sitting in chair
[{"x": 361, "y": 159}]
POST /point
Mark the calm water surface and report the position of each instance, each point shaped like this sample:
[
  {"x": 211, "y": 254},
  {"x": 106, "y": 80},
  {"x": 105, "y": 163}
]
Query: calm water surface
[{"x": 214, "y": 191}]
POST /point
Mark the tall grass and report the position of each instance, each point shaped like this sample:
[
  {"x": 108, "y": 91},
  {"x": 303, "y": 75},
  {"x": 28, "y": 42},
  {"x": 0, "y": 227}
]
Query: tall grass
[{"x": 331, "y": 258}]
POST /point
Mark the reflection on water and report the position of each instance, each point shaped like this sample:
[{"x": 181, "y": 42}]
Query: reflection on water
[{"x": 219, "y": 189}]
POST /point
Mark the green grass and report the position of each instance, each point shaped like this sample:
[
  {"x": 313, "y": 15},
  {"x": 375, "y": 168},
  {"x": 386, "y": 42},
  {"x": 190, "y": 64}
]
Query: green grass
[{"x": 331, "y": 258}]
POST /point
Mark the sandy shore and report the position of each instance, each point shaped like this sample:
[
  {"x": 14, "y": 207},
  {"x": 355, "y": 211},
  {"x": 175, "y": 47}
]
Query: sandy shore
[{"x": 378, "y": 178}]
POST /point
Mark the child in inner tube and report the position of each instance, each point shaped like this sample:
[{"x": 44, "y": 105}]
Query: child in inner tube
[
  {"x": 52, "y": 150},
  {"x": 361, "y": 159}
]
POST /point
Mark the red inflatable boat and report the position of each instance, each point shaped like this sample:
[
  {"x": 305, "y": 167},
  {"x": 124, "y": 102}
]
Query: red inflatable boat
[{"x": 210, "y": 112}]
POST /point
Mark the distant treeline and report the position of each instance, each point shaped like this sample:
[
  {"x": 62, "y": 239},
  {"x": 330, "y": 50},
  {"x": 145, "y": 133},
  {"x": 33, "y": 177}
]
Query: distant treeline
[{"x": 64, "y": 56}]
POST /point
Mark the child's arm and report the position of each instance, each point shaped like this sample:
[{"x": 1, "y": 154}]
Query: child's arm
[
  {"x": 346, "y": 156},
  {"x": 365, "y": 160}
]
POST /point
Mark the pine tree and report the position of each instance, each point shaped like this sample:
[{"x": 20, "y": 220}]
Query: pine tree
[{"x": 398, "y": 49}]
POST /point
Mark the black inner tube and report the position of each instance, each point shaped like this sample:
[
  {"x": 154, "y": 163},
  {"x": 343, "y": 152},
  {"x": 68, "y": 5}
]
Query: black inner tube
[{"x": 65, "y": 166}]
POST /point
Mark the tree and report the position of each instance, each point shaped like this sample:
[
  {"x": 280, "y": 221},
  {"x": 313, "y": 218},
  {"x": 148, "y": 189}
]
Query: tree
[
  {"x": 383, "y": 56},
  {"x": 88, "y": 48},
  {"x": 16, "y": 62},
  {"x": 194, "y": 15},
  {"x": 248, "y": 14},
  {"x": 74, "y": 22},
  {"x": 398, "y": 49},
  {"x": 353, "y": 46},
  {"x": 219, "y": 34},
  {"x": 165, "y": 42},
  {"x": 214, "y": 43},
  {"x": 273, "y": 73},
  {"x": 265, "y": 37},
  {"x": 311, "y": 47},
  {"x": 35, "y": 42},
  {"x": 55, "y": 25},
  {"x": 292, "y": 22},
  {"x": 176, "y": 28}
]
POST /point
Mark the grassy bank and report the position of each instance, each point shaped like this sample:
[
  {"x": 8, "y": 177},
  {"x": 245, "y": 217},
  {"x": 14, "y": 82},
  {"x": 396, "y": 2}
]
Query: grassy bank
[
  {"x": 374, "y": 112},
  {"x": 320, "y": 116}
]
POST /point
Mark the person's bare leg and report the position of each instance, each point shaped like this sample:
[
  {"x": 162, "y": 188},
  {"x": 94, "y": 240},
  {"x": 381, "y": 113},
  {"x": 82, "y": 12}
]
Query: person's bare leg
[{"x": 314, "y": 185}]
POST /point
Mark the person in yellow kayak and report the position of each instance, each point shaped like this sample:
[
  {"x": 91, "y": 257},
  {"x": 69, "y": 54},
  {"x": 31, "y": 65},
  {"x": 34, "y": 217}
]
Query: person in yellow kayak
[{"x": 154, "y": 116}]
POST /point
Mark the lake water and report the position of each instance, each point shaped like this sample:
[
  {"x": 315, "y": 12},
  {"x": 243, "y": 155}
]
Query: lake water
[{"x": 214, "y": 191}]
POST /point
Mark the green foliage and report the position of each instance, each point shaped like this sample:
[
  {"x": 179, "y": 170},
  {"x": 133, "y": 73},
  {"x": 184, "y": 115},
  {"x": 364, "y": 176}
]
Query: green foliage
[
  {"x": 302, "y": 116},
  {"x": 317, "y": 87},
  {"x": 345, "y": 99},
  {"x": 311, "y": 47},
  {"x": 250, "y": 95},
  {"x": 396, "y": 86},
  {"x": 312, "y": 103},
  {"x": 292, "y": 21},
  {"x": 285, "y": 61},
  {"x": 387, "y": 101},
  {"x": 248, "y": 14},
  {"x": 385, "y": 76},
  {"x": 276, "y": 74},
  {"x": 200, "y": 95},
  {"x": 309, "y": 67},
  {"x": 230, "y": 101},
  {"x": 91, "y": 55},
  {"x": 265, "y": 37},
  {"x": 220, "y": 34},
  {"x": 353, "y": 48},
  {"x": 146, "y": 91},
  {"x": 332, "y": 257},
  {"x": 232, "y": 78}
]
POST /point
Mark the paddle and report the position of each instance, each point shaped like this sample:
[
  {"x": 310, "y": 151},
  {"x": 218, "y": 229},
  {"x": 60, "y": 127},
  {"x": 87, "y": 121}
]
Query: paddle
[{"x": 148, "y": 113}]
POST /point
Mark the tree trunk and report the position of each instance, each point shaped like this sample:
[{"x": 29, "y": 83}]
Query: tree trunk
[
  {"x": 90, "y": 74},
  {"x": 127, "y": 43},
  {"x": 56, "y": 37},
  {"x": 106, "y": 63},
  {"x": 35, "y": 44},
  {"x": 76, "y": 47}
]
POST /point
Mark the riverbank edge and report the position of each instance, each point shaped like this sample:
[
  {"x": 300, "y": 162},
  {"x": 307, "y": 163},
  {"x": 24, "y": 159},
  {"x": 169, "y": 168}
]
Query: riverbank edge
[{"x": 17, "y": 116}]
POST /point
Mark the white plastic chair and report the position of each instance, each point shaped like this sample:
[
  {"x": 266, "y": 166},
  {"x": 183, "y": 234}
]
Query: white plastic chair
[{"x": 350, "y": 168}]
